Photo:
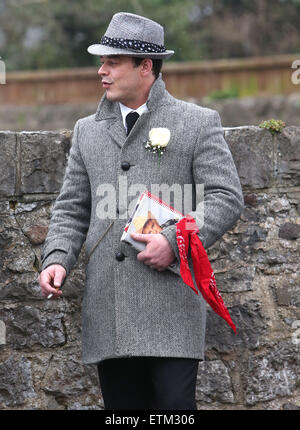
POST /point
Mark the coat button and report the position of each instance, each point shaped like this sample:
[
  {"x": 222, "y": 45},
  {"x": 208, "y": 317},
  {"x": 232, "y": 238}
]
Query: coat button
[
  {"x": 125, "y": 165},
  {"x": 120, "y": 256}
]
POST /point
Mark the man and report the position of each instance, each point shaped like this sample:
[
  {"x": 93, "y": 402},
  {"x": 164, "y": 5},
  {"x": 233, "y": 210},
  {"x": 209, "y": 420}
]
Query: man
[{"x": 141, "y": 324}]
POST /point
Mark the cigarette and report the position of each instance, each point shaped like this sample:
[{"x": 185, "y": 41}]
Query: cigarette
[{"x": 51, "y": 294}]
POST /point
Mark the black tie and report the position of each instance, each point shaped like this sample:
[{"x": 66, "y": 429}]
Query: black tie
[{"x": 130, "y": 120}]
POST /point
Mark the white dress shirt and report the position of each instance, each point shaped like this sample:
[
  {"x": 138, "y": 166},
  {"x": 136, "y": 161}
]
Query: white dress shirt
[{"x": 125, "y": 111}]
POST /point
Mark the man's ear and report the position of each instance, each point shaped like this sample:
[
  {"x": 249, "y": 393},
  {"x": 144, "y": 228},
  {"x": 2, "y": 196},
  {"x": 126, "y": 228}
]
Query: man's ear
[{"x": 146, "y": 66}]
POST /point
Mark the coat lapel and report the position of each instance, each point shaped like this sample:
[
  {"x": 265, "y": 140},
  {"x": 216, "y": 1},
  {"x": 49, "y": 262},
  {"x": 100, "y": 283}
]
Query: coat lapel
[
  {"x": 110, "y": 112},
  {"x": 117, "y": 132}
]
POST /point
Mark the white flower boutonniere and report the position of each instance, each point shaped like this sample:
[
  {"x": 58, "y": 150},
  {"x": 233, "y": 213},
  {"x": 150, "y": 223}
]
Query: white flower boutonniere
[{"x": 158, "y": 140}]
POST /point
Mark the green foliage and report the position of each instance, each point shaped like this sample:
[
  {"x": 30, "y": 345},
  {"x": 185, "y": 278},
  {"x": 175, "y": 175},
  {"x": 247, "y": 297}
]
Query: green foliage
[
  {"x": 69, "y": 27},
  {"x": 273, "y": 125},
  {"x": 37, "y": 34},
  {"x": 229, "y": 93}
]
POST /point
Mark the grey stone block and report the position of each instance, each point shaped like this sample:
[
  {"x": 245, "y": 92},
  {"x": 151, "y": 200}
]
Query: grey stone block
[
  {"x": 236, "y": 279},
  {"x": 43, "y": 161},
  {"x": 289, "y": 231},
  {"x": 8, "y": 160},
  {"x": 272, "y": 375},
  {"x": 16, "y": 384},
  {"x": 66, "y": 378},
  {"x": 214, "y": 383},
  {"x": 249, "y": 321},
  {"x": 17, "y": 259},
  {"x": 252, "y": 150},
  {"x": 288, "y": 157},
  {"x": 28, "y": 326},
  {"x": 287, "y": 289}
]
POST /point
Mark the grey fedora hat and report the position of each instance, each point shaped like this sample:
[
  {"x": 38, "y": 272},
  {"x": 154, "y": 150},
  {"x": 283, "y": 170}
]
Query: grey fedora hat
[{"x": 133, "y": 35}]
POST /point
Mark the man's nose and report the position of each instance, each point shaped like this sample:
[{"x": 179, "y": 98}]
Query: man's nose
[{"x": 102, "y": 70}]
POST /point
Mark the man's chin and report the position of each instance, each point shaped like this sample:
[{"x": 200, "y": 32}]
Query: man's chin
[{"x": 111, "y": 97}]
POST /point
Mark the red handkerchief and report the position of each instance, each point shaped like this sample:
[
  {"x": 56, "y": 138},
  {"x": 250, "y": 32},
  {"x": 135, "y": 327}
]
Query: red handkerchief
[{"x": 186, "y": 234}]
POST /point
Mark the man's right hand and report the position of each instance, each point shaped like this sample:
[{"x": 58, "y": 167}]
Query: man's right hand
[{"x": 50, "y": 280}]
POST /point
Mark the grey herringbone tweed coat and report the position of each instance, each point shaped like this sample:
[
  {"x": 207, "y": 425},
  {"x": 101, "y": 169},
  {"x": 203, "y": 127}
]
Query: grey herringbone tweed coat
[{"x": 129, "y": 309}]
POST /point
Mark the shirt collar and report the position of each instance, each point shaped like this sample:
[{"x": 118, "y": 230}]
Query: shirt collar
[{"x": 125, "y": 111}]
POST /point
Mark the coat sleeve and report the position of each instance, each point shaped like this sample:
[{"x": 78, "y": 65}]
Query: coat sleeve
[
  {"x": 70, "y": 216},
  {"x": 214, "y": 167}
]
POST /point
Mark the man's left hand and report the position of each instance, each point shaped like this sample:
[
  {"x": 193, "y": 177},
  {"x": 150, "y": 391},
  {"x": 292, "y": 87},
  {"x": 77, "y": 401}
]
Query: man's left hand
[{"x": 158, "y": 253}]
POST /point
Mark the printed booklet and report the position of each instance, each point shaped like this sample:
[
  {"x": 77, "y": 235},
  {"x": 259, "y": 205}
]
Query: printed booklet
[{"x": 150, "y": 216}]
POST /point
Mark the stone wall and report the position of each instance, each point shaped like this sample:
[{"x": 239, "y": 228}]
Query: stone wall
[{"x": 256, "y": 266}]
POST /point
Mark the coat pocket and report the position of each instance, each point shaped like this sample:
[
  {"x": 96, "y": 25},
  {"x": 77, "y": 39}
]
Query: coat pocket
[{"x": 90, "y": 248}]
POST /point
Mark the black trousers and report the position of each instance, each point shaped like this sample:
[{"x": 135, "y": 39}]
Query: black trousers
[{"x": 155, "y": 383}]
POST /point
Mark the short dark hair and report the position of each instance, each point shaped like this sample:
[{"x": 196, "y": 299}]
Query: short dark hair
[{"x": 156, "y": 68}]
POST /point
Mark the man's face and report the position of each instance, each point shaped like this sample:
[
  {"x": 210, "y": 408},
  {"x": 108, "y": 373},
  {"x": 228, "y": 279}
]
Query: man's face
[
  {"x": 152, "y": 227},
  {"x": 120, "y": 78}
]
